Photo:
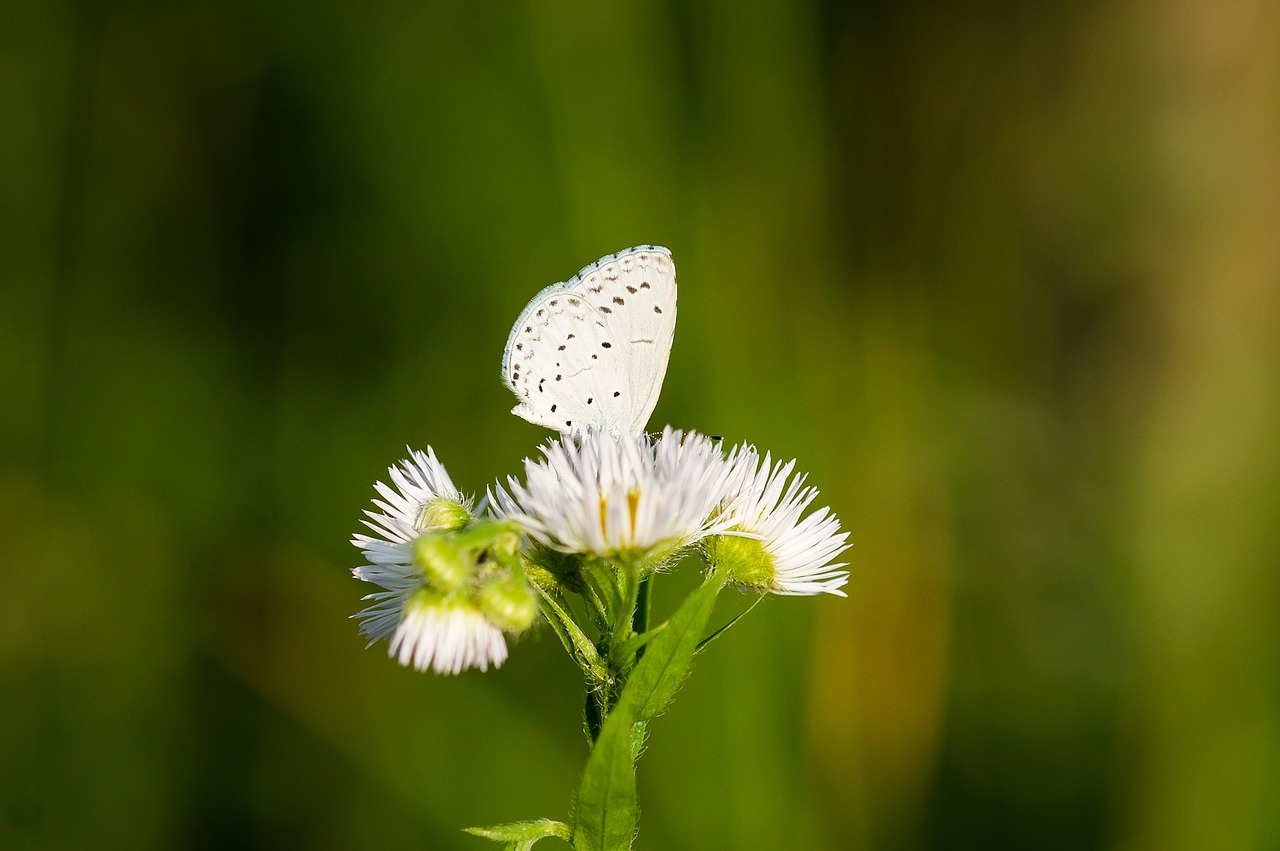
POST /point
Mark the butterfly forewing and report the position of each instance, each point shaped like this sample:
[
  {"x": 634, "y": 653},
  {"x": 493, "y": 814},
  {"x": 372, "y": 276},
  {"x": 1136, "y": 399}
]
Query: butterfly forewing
[{"x": 591, "y": 353}]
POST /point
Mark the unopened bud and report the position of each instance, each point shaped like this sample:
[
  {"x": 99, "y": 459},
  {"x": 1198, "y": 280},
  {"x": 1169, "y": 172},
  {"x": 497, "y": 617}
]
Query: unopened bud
[
  {"x": 441, "y": 514},
  {"x": 444, "y": 565},
  {"x": 746, "y": 560},
  {"x": 509, "y": 603}
]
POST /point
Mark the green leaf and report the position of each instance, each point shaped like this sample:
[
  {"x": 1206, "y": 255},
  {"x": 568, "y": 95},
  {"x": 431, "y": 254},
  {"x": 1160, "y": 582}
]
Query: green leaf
[
  {"x": 575, "y": 641},
  {"x": 667, "y": 658},
  {"x": 722, "y": 630},
  {"x": 521, "y": 835},
  {"x": 606, "y": 808},
  {"x": 628, "y": 649}
]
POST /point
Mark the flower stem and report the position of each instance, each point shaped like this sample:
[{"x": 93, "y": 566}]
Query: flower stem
[
  {"x": 640, "y": 618},
  {"x": 594, "y": 718}
]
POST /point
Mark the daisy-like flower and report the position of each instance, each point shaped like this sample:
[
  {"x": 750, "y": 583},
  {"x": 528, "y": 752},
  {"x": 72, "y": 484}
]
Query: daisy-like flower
[
  {"x": 625, "y": 497},
  {"x": 770, "y": 547},
  {"x": 423, "y": 497},
  {"x": 447, "y": 637},
  {"x": 434, "y": 609}
]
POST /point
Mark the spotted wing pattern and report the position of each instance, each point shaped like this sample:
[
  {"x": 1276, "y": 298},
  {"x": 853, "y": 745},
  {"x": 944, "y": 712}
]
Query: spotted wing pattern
[{"x": 591, "y": 353}]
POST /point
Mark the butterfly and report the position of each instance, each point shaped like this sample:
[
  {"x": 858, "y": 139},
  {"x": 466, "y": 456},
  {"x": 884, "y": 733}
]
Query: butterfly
[{"x": 590, "y": 354}]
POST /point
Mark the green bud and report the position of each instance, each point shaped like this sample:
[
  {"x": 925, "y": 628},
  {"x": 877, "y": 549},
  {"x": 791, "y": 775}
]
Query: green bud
[
  {"x": 541, "y": 577},
  {"x": 445, "y": 566},
  {"x": 505, "y": 545},
  {"x": 509, "y": 604},
  {"x": 500, "y": 538},
  {"x": 442, "y": 513},
  {"x": 746, "y": 560},
  {"x": 424, "y": 598}
]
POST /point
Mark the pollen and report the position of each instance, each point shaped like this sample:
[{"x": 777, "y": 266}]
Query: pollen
[
  {"x": 633, "y": 505},
  {"x": 633, "y": 502}
]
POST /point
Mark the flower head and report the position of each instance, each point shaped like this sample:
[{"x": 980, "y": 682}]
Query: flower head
[
  {"x": 446, "y": 636},
  {"x": 769, "y": 546},
  {"x": 620, "y": 496},
  {"x": 450, "y": 584}
]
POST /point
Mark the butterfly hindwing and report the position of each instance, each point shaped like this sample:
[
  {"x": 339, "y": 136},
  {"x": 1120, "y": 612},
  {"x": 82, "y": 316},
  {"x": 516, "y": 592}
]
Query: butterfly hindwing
[
  {"x": 559, "y": 358},
  {"x": 635, "y": 291},
  {"x": 592, "y": 352}
]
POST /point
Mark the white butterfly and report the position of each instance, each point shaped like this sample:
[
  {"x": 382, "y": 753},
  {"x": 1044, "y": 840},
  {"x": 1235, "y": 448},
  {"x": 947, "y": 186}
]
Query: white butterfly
[{"x": 591, "y": 353}]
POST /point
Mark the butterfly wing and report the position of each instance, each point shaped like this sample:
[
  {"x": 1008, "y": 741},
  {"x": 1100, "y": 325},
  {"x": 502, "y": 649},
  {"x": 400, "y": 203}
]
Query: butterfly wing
[
  {"x": 592, "y": 352},
  {"x": 635, "y": 291},
  {"x": 563, "y": 366}
]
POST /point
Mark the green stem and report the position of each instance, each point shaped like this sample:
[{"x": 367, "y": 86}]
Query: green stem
[
  {"x": 593, "y": 717},
  {"x": 640, "y": 618},
  {"x": 630, "y": 617}
]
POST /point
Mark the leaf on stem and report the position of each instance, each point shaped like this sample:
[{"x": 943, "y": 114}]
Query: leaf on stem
[
  {"x": 722, "y": 630},
  {"x": 628, "y": 649},
  {"x": 666, "y": 661},
  {"x": 575, "y": 641},
  {"x": 606, "y": 808},
  {"x": 521, "y": 835}
]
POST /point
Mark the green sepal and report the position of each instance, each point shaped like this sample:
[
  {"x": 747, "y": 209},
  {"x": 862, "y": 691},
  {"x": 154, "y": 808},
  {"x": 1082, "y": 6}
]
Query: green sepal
[
  {"x": 563, "y": 566},
  {"x": 502, "y": 537},
  {"x": 628, "y": 585},
  {"x": 521, "y": 835},
  {"x": 603, "y": 594}
]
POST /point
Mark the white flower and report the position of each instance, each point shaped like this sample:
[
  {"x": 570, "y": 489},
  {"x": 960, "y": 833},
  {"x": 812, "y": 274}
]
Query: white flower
[
  {"x": 621, "y": 496},
  {"x": 770, "y": 547},
  {"x": 447, "y": 637},
  {"x": 421, "y": 482},
  {"x": 441, "y": 629}
]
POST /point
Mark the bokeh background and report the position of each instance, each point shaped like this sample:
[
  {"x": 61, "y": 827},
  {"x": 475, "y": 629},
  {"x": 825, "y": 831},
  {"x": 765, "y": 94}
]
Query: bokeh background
[{"x": 1005, "y": 278}]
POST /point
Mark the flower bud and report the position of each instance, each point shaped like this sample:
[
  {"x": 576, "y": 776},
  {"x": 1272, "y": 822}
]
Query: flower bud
[
  {"x": 509, "y": 603},
  {"x": 746, "y": 560},
  {"x": 441, "y": 514},
  {"x": 444, "y": 565}
]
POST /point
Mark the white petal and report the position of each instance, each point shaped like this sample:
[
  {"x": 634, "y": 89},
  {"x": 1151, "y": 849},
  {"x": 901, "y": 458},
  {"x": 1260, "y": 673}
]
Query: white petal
[
  {"x": 620, "y": 494},
  {"x": 768, "y": 506}
]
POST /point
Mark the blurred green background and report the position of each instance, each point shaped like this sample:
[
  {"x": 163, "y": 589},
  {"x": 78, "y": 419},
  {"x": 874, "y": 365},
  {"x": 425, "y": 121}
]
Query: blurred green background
[{"x": 1005, "y": 278}]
